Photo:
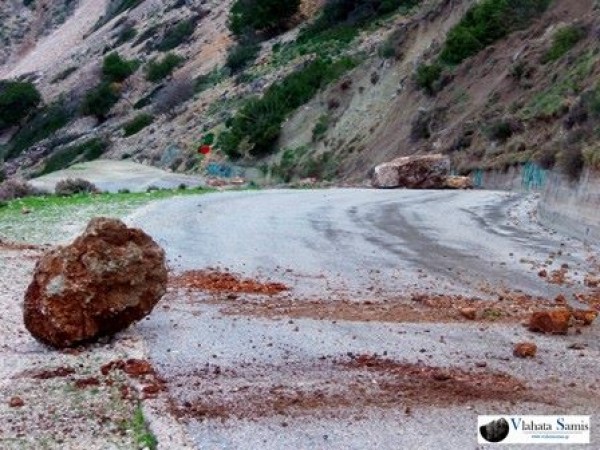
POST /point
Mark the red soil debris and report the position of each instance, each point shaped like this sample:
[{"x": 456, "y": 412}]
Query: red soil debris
[
  {"x": 59, "y": 372},
  {"x": 509, "y": 308},
  {"x": 215, "y": 281},
  {"x": 346, "y": 386},
  {"x": 87, "y": 382}
]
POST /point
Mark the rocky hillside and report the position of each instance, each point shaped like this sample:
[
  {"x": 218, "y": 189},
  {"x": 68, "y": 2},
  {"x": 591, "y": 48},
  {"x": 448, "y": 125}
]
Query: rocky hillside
[{"x": 329, "y": 92}]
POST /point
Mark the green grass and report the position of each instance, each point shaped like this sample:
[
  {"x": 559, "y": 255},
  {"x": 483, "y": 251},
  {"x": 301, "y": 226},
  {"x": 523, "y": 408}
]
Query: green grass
[
  {"x": 141, "y": 433},
  {"x": 550, "y": 102},
  {"x": 52, "y": 217},
  {"x": 563, "y": 40}
]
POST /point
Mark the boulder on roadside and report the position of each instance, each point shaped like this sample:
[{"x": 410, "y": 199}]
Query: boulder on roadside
[
  {"x": 413, "y": 172},
  {"x": 108, "y": 278},
  {"x": 525, "y": 350},
  {"x": 555, "y": 321}
]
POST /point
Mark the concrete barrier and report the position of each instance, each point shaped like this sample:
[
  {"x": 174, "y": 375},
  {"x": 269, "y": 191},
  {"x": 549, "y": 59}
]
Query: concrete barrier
[{"x": 572, "y": 207}]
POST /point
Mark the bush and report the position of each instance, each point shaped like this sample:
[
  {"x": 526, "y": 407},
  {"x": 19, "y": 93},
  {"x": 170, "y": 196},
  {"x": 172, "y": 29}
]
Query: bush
[
  {"x": 320, "y": 128},
  {"x": 100, "y": 100},
  {"x": 571, "y": 162},
  {"x": 503, "y": 129},
  {"x": 177, "y": 35},
  {"x": 158, "y": 70},
  {"x": 485, "y": 23},
  {"x": 72, "y": 186},
  {"x": 17, "y": 100},
  {"x": 137, "y": 124},
  {"x": 174, "y": 94},
  {"x": 351, "y": 14},
  {"x": 241, "y": 56},
  {"x": 427, "y": 76},
  {"x": 13, "y": 188},
  {"x": 257, "y": 125},
  {"x": 42, "y": 125},
  {"x": 207, "y": 81},
  {"x": 264, "y": 16},
  {"x": 126, "y": 34},
  {"x": 591, "y": 156},
  {"x": 117, "y": 69},
  {"x": 563, "y": 41},
  {"x": 547, "y": 158},
  {"x": 86, "y": 151},
  {"x": 114, "y": 8}
]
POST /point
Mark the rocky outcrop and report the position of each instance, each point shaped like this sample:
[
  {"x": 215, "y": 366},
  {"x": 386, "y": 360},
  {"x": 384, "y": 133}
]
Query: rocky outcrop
[
  {"x": 413, "y": 172},
  {"x": 108, "y": 278}
]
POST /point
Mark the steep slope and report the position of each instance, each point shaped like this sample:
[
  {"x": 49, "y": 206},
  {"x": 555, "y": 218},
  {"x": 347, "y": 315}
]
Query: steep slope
[{"x": 509, "y": 103}]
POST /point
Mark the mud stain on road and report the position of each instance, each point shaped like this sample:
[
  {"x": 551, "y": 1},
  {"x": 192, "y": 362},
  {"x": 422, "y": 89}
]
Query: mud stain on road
[{"x": 342, "y": 386}]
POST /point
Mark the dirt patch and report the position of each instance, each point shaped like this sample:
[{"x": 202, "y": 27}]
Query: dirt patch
[
  {"x": 344, "y": 386},
  {"x": 225, "y": 282}
]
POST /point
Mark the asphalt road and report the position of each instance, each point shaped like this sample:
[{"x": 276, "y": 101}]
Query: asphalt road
[
  {"x": 339, "y": 244},
  {"x": 353, "y": 238}
]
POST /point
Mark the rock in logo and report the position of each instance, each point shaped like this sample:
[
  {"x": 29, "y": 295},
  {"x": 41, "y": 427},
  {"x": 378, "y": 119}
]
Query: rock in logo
[{"x": 495, "y": 431}]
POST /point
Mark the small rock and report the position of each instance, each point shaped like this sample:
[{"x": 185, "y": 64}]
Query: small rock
[
  {"x": 560, "y": 300},
  {"x": 468, "y": 313},
  {"x": 576, "y": 346},
  {"x": 543, "y": 273},
  {"x": 525, "y": 350},
  {"x": 16, "y": 402},
  {"x": 555, "y": 321}
]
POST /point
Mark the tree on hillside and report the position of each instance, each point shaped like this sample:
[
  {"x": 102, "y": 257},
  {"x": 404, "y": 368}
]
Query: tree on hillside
[
  {"x": 17, "y": 100},
  {"x": 263, "y": 16}
]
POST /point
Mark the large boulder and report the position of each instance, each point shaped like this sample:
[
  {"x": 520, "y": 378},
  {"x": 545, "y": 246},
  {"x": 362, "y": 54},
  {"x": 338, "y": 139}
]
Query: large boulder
[
  {"x": 413, "y": 172},
  {"x": 108, "y": 278}
]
